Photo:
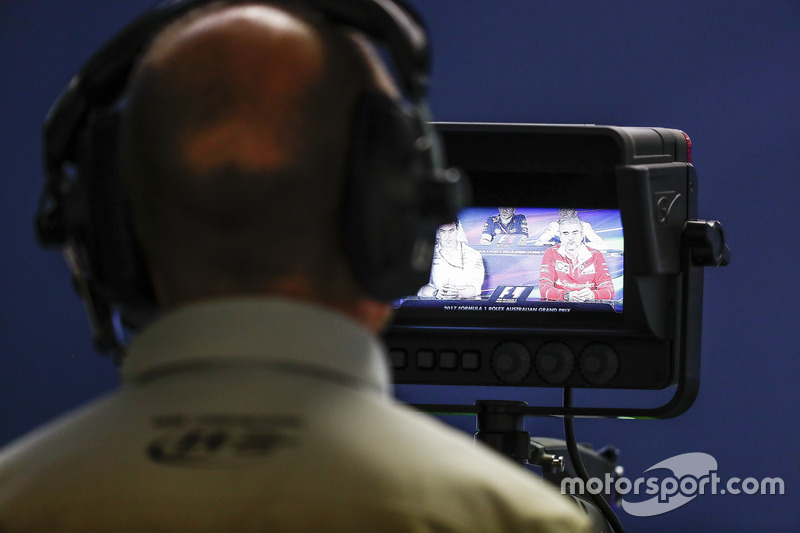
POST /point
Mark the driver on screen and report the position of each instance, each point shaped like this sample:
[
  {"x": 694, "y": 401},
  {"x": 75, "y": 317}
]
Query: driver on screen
[
  {"x": 506, "y": 222},
  {"x": 551, "y": 232},
  {"x": 457, "y": 271},
  {"x": 572, "y": 271}
]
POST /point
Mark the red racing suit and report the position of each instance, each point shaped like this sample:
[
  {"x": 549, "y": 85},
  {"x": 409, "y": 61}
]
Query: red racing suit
[{"x": 560, "y": 275}]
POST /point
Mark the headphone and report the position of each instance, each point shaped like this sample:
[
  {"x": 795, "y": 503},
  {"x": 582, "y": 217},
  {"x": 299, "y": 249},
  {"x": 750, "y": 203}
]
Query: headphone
[{"x": 397, "y": 191}]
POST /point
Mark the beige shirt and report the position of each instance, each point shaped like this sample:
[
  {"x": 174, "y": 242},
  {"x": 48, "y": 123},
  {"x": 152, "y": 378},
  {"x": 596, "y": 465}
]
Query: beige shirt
[{"x": 263, "y": 415}]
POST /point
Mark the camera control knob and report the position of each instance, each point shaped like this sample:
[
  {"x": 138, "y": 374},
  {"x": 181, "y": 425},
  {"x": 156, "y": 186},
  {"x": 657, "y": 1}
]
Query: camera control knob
[
  {"x": 511, "y": 361},
  {"x": 554, "y": 362},
  {"x": 598, "y": 363},
  {"x": 706, "y": 240}
]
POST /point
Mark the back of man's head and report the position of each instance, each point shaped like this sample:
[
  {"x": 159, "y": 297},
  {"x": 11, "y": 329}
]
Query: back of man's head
[{"x": 234, "y": 142}]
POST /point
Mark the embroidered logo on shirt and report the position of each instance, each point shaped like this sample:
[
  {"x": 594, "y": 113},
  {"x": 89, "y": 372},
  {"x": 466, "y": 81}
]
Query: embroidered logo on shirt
[
  {"x": 562, "y": 266},
  {"x": 220, "y": 440}
]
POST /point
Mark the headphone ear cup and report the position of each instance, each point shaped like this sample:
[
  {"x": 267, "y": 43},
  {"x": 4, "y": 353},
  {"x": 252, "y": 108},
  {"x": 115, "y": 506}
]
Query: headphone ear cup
[
  {"x": 388, "y": 237},
  {"x": 118, "y": 269}
]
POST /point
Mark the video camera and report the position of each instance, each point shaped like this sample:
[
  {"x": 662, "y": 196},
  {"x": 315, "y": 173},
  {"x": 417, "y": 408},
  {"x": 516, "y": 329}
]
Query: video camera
[{"x": 631, "y": 194}]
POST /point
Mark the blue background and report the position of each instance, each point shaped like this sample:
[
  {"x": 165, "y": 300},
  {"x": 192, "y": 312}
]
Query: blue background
[{"x": 726, "y": 72}]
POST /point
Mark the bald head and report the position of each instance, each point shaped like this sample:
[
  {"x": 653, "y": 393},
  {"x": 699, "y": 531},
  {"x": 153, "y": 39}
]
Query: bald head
[
  {"x": 233, "y": 146},
  {"x": 240, "y": 82}
]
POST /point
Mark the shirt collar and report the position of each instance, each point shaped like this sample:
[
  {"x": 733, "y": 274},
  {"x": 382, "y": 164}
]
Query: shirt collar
[{"x": 260, "y": 330}]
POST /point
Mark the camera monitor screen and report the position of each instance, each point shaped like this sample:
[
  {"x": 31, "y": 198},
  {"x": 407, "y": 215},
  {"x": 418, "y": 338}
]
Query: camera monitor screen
[
  {"x": 582, "y": 282},
  {"x": 526, "y": 259}
]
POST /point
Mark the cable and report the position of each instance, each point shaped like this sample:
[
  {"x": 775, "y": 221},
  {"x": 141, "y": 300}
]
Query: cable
[{"x": 577, "y": 463}]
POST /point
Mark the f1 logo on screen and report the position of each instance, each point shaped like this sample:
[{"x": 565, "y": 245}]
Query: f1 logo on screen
[{"x": 510, "y": 294}]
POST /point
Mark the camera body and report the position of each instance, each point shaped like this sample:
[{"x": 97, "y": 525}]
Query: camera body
[{"x": 636, "y": 189}]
